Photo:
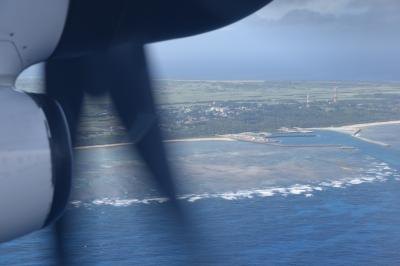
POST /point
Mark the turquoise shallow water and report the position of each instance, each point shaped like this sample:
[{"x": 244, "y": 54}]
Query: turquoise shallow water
[{"x": 250, "y": 204}]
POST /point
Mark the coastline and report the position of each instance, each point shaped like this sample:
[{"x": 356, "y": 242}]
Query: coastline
[
  {"x": 113, "y": 145},
  {"x": 355, "y": 129},
  {"x": 216, "y": 138}
]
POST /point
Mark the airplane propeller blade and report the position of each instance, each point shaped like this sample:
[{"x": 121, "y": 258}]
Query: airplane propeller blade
[
  {"x": 65, "y": 83},
  {"x": 131, "y": 93},
  {"x": 122, "y": 70}
]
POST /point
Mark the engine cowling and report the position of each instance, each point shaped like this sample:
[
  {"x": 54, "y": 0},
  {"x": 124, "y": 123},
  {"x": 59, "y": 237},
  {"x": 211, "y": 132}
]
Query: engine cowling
[{"x": 35, "y": 159}]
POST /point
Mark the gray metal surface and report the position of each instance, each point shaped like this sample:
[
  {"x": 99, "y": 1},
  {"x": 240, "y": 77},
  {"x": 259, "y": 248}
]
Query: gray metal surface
[
  {"x": 26, "y": 189},
  {"x": 29, "y": 33}
]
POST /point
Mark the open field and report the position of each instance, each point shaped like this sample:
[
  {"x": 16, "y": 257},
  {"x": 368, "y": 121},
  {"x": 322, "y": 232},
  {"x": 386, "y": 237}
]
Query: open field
[{"x": 195, "y": 92}]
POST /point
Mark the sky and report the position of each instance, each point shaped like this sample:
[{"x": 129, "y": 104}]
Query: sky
[{"x": 292, "y": 40}]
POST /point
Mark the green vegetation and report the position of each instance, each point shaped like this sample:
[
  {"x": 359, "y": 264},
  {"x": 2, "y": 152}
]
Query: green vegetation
[{"x": 204, "y": 108}]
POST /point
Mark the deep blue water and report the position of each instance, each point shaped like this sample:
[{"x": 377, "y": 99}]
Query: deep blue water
[{"x": 354, "y": 223}]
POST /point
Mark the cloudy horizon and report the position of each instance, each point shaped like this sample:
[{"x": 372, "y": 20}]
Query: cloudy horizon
[{"x": 292, "y": 40}]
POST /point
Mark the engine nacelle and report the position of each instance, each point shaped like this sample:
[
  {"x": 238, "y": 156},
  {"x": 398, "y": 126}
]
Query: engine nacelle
[
  {"x": 35, "y": 149},
  {"x": 35, "y": 160}
]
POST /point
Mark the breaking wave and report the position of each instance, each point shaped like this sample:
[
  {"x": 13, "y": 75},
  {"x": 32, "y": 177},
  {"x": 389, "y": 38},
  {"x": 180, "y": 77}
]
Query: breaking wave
[{"x": 380, "y": 172}]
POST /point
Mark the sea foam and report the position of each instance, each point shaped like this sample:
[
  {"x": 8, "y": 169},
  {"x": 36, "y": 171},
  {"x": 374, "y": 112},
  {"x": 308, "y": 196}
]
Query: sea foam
[{"x": 379, "y": 172}]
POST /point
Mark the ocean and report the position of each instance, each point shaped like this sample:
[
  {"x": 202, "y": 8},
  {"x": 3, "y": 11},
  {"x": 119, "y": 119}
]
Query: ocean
[{"x": 247, "y": 204}]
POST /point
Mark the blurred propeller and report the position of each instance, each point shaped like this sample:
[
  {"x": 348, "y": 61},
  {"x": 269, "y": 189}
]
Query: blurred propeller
[
  {"x": 123, "y": 71},
  {"x": 102, "y": 50},
  {"x": 133, "y": 99},
  {"x": 64, "y": 83}
]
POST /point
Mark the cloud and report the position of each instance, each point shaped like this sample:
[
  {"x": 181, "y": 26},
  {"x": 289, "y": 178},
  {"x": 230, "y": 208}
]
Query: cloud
[
  {"x": 350, "y": 12},
  {"x": 292, "y": 39},
  {"x": 281, "y": 8},
  {"x": 296, "y": 39}
]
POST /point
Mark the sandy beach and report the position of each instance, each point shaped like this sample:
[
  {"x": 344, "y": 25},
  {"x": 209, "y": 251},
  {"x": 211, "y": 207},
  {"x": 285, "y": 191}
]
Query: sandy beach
[
  {"x": 356, "y": 127},
  {"x": 216, "y": 138},
  {"x": 355, "y": 130}
]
